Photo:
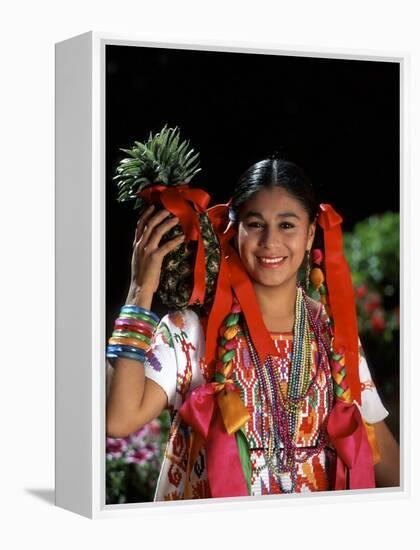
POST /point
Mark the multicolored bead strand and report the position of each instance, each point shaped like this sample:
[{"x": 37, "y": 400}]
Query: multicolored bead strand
[
  {"x": 282, "y": 415},
  {"x": 132, "y": 335}
]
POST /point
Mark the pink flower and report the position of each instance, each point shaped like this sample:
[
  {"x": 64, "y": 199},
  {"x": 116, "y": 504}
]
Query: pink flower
[
  {"x": 139, "y": 456},
  {"x": 373, "y": 301},
  {"x": 361, "y": 291},
  {"x": 377, "y": 322},
  {"x": 115, "y": 447},
  {"x": 150, "y": 430},
  {"x": 154, "y": 428}
]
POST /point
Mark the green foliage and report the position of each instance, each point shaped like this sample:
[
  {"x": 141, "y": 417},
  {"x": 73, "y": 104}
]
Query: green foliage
[
  {"x": 372, "y": 252},
  {"x": 161, "y": 160}
]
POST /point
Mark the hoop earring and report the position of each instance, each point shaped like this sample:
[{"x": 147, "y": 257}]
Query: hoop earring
[{"x": 308, "y": 270}]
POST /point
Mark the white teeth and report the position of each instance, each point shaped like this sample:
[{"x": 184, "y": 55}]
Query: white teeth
[{"x": 272, "y": 260}]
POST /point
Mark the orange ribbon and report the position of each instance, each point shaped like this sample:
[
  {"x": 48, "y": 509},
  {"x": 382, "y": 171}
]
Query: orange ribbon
[{"x": 175, "y": 199}]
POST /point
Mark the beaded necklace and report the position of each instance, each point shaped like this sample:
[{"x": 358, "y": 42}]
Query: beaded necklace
[{"x": 282, "y": 411}]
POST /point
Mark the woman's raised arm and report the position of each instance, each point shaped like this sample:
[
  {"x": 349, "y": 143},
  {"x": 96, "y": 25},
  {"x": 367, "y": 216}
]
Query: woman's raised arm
[{"x": 133, "y": 400}]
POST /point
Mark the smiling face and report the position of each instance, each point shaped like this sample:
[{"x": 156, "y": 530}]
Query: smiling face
[{"x": 272, "y": 236}]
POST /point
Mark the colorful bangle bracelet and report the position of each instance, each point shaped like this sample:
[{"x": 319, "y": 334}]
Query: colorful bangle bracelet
[
  {"x": 132, "y": 328},
  {"x": 139, "y": 316},
  {"x": 133, "y": 323},
  {"x": 113, "y": 348},
  {"x": 128, "y": 355},
  {"x": 138, "y": 309},
  {"x": 131, "y": 334},
  {"x": 129, "y": 342}
]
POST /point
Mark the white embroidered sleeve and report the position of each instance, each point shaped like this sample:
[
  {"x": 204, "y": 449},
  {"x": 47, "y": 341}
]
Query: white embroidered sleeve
[
  {"x": 161, "y": 363},
  {"x": 372, "y": 408}
]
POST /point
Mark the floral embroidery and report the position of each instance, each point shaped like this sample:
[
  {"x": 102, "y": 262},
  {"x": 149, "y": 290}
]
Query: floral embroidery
[
  {"x": 314, "y": 474},
  {"x": 162, "y": 335}
]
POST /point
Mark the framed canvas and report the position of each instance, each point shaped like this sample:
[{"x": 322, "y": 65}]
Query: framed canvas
[{"x": 341, "y": 115}]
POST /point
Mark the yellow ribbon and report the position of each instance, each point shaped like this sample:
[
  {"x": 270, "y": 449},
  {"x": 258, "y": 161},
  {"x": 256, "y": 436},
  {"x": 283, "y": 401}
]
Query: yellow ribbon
[
  {"x": 233, "y": 411},
  {"x": 370, "y": 429}
]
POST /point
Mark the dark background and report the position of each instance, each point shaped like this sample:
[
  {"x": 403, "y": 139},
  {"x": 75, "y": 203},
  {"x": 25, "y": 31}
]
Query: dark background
[{"x": 338, "y": 119}]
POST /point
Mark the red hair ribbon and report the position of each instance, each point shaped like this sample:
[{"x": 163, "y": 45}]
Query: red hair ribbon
[
  {"x": 341, "y": 294},
  {"x": 175, "y": 200},
  {"x": 223, "y": 297},
  {"x": 345, "y": 427}
]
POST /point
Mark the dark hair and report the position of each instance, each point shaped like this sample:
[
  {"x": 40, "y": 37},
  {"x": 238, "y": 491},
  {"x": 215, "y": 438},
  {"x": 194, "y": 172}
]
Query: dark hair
[{"x": 274, "y": 172}]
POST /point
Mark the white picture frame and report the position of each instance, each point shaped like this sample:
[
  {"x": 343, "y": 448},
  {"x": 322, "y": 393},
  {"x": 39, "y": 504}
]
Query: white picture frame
[{"x": 80, "y": 279}]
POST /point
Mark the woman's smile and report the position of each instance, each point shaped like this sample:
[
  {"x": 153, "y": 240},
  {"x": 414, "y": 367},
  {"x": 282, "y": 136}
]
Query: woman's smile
[{"x": 271, "y": 262}]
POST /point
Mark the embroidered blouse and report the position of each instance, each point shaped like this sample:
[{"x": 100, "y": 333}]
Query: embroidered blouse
[{"x": 175, "y": 361}]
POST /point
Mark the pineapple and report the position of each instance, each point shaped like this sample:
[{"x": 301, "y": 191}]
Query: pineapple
[{"x": 165, "y": 160}]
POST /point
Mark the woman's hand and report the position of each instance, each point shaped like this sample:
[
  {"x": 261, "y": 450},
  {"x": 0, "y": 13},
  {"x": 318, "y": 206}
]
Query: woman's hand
[{"x": 147, "y": 258}]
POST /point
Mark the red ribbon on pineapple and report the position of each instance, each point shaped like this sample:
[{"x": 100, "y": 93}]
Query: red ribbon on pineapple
[{"x": 175, "y": 199}]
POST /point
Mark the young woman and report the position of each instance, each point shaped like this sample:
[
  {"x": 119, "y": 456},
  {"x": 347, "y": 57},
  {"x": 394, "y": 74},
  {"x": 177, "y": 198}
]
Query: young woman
[{"x": 278, "y": 438}]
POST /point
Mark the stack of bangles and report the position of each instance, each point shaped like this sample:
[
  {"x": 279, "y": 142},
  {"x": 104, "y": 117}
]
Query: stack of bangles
[{"x": 133, "y": 331}]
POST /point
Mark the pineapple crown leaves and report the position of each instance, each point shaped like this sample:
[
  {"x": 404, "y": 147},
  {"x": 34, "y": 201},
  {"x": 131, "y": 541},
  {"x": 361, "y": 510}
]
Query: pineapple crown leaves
[{"x": 162, "y": 160}]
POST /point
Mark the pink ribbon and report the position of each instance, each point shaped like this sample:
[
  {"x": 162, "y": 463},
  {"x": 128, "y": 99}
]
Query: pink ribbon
[
  {"x": 354, "y": 456},
  {"x": 224, "y": 468}
]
